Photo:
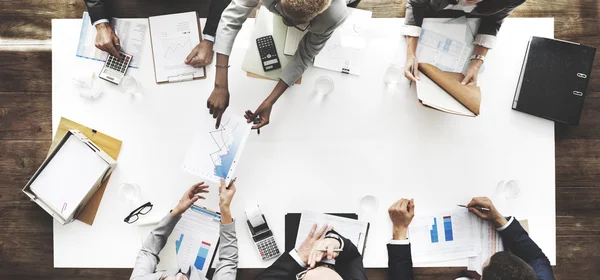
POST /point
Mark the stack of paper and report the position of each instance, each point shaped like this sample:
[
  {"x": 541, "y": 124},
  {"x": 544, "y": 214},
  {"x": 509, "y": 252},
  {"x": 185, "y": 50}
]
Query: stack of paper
[
  {"x": 491, "y": 243},
  {"x": 444, "y": 46}
]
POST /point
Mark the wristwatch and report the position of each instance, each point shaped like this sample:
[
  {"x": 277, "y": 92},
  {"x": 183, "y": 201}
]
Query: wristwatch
[
  {"x": 478, "y": 56},
  {"x": 336, "y": 237}
]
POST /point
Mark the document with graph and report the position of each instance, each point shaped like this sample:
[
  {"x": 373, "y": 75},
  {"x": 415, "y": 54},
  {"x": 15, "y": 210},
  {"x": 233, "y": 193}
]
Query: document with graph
[
  {"x": 196, "y": 238},
  {"x": 214, "y": 153},
  {"x": 173, "y": 37},
  {"x": 449, "y": 235}
]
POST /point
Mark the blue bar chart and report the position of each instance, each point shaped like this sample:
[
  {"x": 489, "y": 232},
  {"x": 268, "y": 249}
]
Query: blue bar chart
[
  {"x": 202, "y": 254},
  {"x": 448, "y": 234},
  {"x": 433, "y": 232},
  {"x": 178, "y": 243}
]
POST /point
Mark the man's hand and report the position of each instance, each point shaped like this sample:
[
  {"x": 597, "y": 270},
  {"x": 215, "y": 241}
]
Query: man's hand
[
  {"x": 313, "y": 237},
  {"x": 401, "y": 213},
  {"x": 107, "y": 40},
  {"x": 201, "y": 55},
  {"x": 218, "y": 102},
  {"x": 316, "y": 255},
  {"x": 472, "y": 73},
  {"x": 191, "y": 196},
  {"x": 492, "y": 215},
  {"x": 263, "y": 114},
  {"x": 409, "y": 72},
  {"x": 225, "y": 198}
]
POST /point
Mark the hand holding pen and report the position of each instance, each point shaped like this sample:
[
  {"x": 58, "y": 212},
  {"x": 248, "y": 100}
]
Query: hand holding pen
[{"x": 485, "y": 209}]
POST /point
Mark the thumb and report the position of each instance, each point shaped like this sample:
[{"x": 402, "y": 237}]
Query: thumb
[
  {"x": 412, "y": 205},
  {"x": 465, "y": 80},
  {"x": 190, "y": 56},
  {"x": 194, "y": 199},
  {"x": 417, "y": 74}
]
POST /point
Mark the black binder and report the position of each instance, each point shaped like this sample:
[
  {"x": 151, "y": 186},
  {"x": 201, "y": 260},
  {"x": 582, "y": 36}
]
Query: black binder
[
  {"x": 292, "y": 223},
  {"x": 554, "y": 79}
]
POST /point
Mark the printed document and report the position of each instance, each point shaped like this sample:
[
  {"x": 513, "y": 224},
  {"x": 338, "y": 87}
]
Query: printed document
[
  {"x": 173, "y": 38},
  {"x": 196, "y": 238},
  {"x": 491, "y": 243},
  {"x": 214, "y": 153},
  {"x": 442, "y": 51},
  {"x": 131, "y": 35},
  {"x": 354, "y": 230},
  {"x": 442, "y": 237}
]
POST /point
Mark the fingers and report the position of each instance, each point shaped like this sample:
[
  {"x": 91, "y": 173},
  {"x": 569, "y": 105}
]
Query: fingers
[
  {"x": 330, "y": 251},
  {"x": 222, "y": 186},
  {"x": 477, "y": 212},
  {"x": 262, "y": 122},
  {"x": 249, "y": 116},
  {"x": 193, "y": 53},
  {"x": 411, "y": 206},
  {"x": 113, "y": 51},
  {"x": 404, "y": 204},
  {"x": 321, "y": 233},
  {"x": 312, "y": 231},
  {"x": 219, "y": 115},
  {"x": 473, "y": 82},
  {"x": 409, "y": 75},
  {"x": 417, "y": 74}
]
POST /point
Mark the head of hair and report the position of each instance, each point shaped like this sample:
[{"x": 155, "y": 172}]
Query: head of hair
[
  {"x": 302, "y": 11},
  {"x": 322, "y": 273},
  {"x": 506, "y": 266}
]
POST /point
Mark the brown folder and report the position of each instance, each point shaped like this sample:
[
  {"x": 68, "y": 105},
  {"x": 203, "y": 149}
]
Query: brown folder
[
  {"x": 252, "y": 75},
  {"x": 467, "y": 95},
  {"x": 108, "y": 144}
]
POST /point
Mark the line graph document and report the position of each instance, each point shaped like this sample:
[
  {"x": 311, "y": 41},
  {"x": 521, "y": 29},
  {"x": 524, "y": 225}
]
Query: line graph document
[
  {"x": 214, "y": 153},
  {"x": 173, "y": 38}
]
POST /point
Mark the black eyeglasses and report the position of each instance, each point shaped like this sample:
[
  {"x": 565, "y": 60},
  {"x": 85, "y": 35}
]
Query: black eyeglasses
[
  {"x": 142, "y": 210},
  {"x": 300, "y": 26}
]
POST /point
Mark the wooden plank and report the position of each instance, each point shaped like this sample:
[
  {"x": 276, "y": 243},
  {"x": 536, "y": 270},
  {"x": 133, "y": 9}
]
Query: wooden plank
[
  {"x": 576, "y": 226},
  {"x": 25, "y": 71},
  {"x": 26, "y": 115},
  {"x": 577, "y": 258},
  {"x": 578, "y": 201},
  {"x": 19, "y": 160}
]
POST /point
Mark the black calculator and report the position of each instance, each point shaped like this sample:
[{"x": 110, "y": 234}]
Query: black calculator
[
  {"x": 114, "y": 69},
  {"x": 268, "y": 53}
]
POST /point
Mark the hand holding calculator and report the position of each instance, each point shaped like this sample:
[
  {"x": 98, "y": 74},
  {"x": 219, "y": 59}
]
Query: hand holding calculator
[{"x": 114, "y": 69}]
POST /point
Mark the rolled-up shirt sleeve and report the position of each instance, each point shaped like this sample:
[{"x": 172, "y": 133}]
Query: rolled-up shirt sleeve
[
  {"x": 232, "y": 19},
  {"x": 410, "y": 30}
]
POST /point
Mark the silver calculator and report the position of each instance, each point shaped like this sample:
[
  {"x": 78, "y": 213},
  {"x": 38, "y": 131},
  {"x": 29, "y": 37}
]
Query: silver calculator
[
  {"x": 264, "y": 240},
  {"x": 114, "y": 69}
]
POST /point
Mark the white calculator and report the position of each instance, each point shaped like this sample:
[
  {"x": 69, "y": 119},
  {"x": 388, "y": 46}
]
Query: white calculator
[
  {"x": 114, "y": 69},
  {"x": 264, "y": 240}
]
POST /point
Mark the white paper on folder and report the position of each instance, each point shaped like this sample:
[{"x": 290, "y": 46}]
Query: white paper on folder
[
  {"x": 344, "y": 51},
  {"x": 68, "y": 177},
  {"x": 432, "y": 95},
  {"x": 292, "y": 39},
  {"x": 447, "y": 236},
  {"x": 214, "y": 153},
  {"x": 131, "y": 35},
  {"x": 443, "y": 46},
  {"x": 173, "y": 38},
  {"x": 354, "y": 230},
  {"x": 193, "y": 241}
]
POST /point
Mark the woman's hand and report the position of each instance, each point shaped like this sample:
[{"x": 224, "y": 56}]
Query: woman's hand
[{"x": 472, "y": 73}]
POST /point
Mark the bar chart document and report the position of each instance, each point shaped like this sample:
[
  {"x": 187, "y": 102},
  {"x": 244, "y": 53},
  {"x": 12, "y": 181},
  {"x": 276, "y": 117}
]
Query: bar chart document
[
  {"x": 443, "y": 52},
  {"x": 443, "y": 237},
  {"x": 131, "y": 35},
  {"x": 173, "y": 38},
  {"x": 196, "y": 238},
  {"x": 214, "y": 153}
]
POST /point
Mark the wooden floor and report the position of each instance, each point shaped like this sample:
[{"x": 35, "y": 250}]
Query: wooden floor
[{"x": 26, "y": 250}]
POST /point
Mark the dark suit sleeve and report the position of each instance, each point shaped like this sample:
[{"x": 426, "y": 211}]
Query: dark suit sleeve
[
  {"x": 415, "y": 12},
  {"x": 215, "y": 10},
  {"x": 349, "y": 263},
  {"x": 284, "y": 268},
  {"x": 400, "y": 266},
  {"x": 98, "y": 9},
  {"x": 491, "y": 24},
  {"x": 517, "y": 240}
]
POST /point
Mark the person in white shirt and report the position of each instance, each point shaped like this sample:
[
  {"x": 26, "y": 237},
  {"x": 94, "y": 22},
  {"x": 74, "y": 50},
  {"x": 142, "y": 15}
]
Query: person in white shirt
[{"x": 491, "y": 12}]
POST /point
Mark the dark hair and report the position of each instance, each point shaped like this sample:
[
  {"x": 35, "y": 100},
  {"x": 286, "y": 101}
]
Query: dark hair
[{"x": 506, "y": 266}]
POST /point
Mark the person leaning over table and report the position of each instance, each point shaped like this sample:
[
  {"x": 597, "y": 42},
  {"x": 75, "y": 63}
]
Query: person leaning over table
[
  {"x": 525, "y": 262},
  {"x": 308, "y": 262},
  {"x": 318, "y": 17},
  {"x": 147, "y": 259},
  {"x": 491, "y": 12},
  {"x": 108, "y": 41}
]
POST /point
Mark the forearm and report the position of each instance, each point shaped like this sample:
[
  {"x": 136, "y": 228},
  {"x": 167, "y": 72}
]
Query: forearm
[
  {"x": 400, "y": 233},
  {"x": 411, "y": 46},
  {"x": 226, "y": 215},
  {"x": 279, "y": 89},
  {"x": 480, "y": 50},
  {"x": 221, "y": 77}
]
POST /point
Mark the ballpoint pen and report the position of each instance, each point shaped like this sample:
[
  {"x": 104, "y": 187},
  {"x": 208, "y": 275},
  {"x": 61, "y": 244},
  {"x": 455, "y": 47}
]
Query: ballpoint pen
[
  {"x": 325, "y": 250},
  {"x": 476, "y": 207},
  {"x": 412, "y": 70},
  {"x": 257, "y": 121},
  {"x": 231, "y": 183}
]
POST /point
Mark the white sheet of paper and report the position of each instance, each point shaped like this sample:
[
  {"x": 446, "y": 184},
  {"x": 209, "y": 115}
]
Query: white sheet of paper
[
  {"x": 214, "y": 153},
  {"x": 451, "y": 235},
  {"x": 344, "y": 51},
  {"x": 131, "y": 34},
  {"x": 173, "y": 38},
  {"x": 491, "y": 242},
  {"x": 195, "y": 238},
  {"x": 434, "y": 96},
  {"x": 69, "y": 176},
  {"x": 292, "y": 39},
  {"x": 354, "y": 230},
  {"x": 441, "y": 48}
]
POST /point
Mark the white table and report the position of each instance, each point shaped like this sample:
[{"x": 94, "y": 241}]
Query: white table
[{"x": 317, "y": 155}]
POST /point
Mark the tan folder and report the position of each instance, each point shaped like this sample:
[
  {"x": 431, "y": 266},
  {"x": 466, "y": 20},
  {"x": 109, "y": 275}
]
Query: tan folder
[
  {"x": 108, "y": 144},
  {"x": 468, "y": 95}
]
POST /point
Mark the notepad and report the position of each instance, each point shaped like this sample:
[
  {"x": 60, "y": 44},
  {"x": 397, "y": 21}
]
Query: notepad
[
  {"x": 354, "y": 230},
  {"x": 68, "y": 177}
]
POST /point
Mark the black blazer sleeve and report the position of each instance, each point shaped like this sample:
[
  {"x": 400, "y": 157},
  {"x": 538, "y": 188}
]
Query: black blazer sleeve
[
  {"x": 400, "y": 266},
  {"x": 491, "y": 24},
  {"x": 517, "y": 240},
  {"x": 215, "y": 10},
  {"x": 349, "y": 263},
  {"x": 98, "y": 9},
  {"x": 284, "y": 268},
  {"x": 415, "y": 12}
]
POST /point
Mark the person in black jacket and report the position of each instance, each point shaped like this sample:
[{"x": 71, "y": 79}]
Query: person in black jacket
[
  {"x": 108, "y": 41},
  {"x": 526, "y": 261},
  {"x": 308, "y": 262}
]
